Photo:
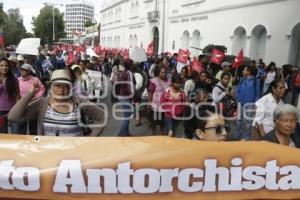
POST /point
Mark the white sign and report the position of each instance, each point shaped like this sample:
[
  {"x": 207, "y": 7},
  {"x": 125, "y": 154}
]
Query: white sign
[
  {"x": 138, "y": 54},
  {"x": 29, "y": 46},
  {"x": 90, "y": 52}
]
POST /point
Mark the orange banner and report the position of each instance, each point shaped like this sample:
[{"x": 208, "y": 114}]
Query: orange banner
[{"x": 159, "y": 168}]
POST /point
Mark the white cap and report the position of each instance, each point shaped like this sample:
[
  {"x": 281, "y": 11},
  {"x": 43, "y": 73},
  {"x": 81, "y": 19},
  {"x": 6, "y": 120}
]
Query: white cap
[{"x": 20, "y": 58}]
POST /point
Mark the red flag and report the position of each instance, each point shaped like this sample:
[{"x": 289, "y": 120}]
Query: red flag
[
  {"x": 217, "y": 56},
  {"x": 183, "y": 56},
  {"x": 70, "y": 59},
  {"x": 238, "y": 61},
  {"x": 2, "y": 41},
  {"x": 150, "y": 49},
  {"x": 197, "y": 66}
]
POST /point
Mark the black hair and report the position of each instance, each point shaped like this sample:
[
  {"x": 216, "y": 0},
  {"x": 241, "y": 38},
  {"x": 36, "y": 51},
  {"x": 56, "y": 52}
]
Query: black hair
[
  {"x": 225, "y": 74},
  {"x": 203, "y": 113},
  {"x": 252, "y": 70},
  {"x": 274, "y": 84},
  {"x": 157, "y": 70},
  {"x": 11, "y": 83},
  {"x": 194, "y": 75},
  {"x": 176, "y": 79},
  {"x": 270, "y": 66}
]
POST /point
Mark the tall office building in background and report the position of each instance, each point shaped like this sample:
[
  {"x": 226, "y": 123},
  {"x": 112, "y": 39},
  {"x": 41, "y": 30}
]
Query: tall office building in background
[{"x": 77, "y": 13}]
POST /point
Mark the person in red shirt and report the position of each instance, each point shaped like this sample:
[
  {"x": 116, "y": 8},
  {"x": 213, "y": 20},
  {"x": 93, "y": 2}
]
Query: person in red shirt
[{"x": 173, "y": 102}]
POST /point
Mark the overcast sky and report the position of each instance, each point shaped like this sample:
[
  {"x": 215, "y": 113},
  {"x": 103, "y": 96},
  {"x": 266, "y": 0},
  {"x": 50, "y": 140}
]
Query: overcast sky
[{"x": 30, "y": 8}]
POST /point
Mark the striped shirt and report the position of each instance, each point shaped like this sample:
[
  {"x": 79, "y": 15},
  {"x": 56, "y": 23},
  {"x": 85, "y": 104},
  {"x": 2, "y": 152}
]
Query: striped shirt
[{"x": 62, "y": 124}]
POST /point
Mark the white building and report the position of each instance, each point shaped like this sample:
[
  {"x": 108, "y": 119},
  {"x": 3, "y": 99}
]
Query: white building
[
  {"x": 77, "y": 13},
  {"x": 267, "y": 29}
]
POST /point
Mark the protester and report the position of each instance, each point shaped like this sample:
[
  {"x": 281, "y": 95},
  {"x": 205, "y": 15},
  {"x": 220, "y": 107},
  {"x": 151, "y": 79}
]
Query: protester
[
  {"x": 156, "y": 88},
  {"x": 248, "y": 92},
  {"x": 200, "y": 100},
  {"x": 173, "y": 102},
  {"x": 140, "y": 86},
  {"x": 285, "y": 120},
  {"x": 226, "y": 67},
  {"x": 83, "y": 81},
  {"x": 9, "y": 94},
  {"x": 57, "y": 114},
  {"x": 222, "y": 89},
  {"x": 211, "y": 126},
  {"x": 271, "y": 74},
  {"x": 125, "y": 93},
  {"x": 25, "y": 82},
  {"x": 190, "y": 84},
  {"x": 266, "y": 105}
]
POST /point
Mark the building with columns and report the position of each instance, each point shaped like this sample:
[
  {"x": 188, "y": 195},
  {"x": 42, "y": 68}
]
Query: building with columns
[{"x": 267, "y": 29}]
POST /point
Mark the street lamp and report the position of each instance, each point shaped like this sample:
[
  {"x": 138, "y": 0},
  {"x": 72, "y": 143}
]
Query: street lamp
[{"x": 53, "y": 16}]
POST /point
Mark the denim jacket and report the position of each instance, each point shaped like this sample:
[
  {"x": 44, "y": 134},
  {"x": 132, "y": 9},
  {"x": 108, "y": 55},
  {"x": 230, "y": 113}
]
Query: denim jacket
[{"x": 248, "y": 90}]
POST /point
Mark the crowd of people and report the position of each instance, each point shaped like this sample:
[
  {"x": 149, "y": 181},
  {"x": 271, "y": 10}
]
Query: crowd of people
[{"x": 46, "y": 95}]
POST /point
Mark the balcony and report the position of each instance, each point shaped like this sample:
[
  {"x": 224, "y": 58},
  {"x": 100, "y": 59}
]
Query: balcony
[{"x": 153, "y": 16}]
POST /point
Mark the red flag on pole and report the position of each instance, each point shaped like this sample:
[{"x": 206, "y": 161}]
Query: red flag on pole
[
  {"x": 217, "y": 56},
  {"x": 150, "y": 49},
  {"x": 183, "y": 56},
  {"x": 238, "y": 61},
  {"x": 197, "y": 66}
]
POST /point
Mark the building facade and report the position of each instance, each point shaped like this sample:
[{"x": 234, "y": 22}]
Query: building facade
[
  {"x": 267, "y": 29},
  {"x": 77, "y": 13}
]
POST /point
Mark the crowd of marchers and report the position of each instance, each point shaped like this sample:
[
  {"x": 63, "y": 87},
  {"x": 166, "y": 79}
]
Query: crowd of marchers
[{"x": 46, "y": 95}]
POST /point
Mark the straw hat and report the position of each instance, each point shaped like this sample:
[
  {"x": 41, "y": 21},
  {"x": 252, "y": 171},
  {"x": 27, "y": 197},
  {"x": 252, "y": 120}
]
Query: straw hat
[{"x": 60, "y": 76}]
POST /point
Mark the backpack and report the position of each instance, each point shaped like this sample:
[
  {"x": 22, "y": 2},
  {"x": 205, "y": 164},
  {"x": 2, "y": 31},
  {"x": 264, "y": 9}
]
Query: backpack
[
  {"x": 228, "y": 104},
  {"x": 297, "y": 80},
  {"x": 124, "y": 86}
]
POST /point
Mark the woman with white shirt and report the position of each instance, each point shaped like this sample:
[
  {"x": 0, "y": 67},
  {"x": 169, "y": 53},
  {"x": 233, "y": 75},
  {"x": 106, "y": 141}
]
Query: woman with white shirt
[
  {"x": 266, "y": 105},
  {"x": 271, "y": 75}
]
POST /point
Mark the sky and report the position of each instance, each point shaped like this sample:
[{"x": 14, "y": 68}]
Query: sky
[{"x": 30, "y": 8}]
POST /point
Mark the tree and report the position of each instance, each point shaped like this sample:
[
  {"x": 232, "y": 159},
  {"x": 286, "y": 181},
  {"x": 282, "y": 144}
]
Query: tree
[
  {"x": 88, "y": 23},
  {"x": 13, "y": 28},
  {"x": 43, "y": 24}
]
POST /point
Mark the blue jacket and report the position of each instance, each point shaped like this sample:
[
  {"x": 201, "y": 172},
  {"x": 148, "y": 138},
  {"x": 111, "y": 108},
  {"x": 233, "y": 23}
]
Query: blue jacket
[{"x": 248, "y": 90}]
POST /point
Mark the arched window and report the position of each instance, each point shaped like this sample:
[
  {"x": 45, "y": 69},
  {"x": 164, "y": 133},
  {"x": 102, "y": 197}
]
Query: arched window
[
  {"x": 135, "y": 41},
  {"x": 294, "y": 55},
  {"x": 186, "y": 40},
  {"x": 196, "y": 43},
  {"x": 258, "y": 42},
  {"x": 239, "y": 40},
  {"x": 130, "y": 41}
]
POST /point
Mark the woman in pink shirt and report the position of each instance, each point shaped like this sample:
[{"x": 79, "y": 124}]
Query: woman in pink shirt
[
  {"x": 9, "y": 93},
  {"x": 26, "y": 80},
  {"x": 173, "y": 102},
  {"x": 157, "y": 86}
]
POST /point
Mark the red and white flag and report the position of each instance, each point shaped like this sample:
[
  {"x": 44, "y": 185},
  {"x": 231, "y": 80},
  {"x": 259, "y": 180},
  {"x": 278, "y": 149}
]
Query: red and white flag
[
  {"x": 217, "y": 56},
  {"x": 150, "y": 49},
  {"x": 238, "y": 61},
  {"x": 197, "y": 66},
  {"x": 183, "y": 56}
]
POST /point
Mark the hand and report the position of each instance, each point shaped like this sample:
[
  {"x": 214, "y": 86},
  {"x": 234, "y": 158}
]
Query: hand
[{"x": 35, "y": 88}]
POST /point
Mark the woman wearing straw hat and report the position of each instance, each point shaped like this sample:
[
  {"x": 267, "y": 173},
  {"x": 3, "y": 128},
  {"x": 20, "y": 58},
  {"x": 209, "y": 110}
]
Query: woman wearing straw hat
[{"x": 61, "y": 113}]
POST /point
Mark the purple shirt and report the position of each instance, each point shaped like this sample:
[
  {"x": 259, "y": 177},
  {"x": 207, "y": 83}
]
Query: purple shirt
[{"x": 6, "y": 103}]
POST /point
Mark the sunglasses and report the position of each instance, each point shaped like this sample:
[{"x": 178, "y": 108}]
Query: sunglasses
[{"x": 219, "y": 129}]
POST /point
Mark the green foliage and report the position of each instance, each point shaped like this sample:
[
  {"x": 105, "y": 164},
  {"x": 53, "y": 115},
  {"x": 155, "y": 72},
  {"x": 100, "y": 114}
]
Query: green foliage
[
  {"x": 88, "y": 23},
  {"x": 43, "y": 24},
  {"x": 13, "y": 28}
]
